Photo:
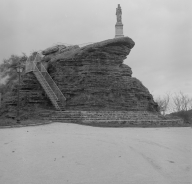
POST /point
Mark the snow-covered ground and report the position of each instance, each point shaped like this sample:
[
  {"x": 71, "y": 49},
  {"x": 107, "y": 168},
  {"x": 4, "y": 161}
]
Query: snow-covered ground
[{"x": 68, "y": 153}]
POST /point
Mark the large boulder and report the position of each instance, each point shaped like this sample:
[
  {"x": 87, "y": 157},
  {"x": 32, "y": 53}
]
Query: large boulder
[
  {"x": 94, "y": 77},
  {"x": 50, "y": 50}
]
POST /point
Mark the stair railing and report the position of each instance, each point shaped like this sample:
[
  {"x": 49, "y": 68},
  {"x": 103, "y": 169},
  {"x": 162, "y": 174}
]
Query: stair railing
[
  {"x": 53, "y": 85},
  {"x": 43, "y": 79},
  {"x": 39, "y": 66},
  {"x": 29, "y": 65},
  {"x": 37, "y": 72}
]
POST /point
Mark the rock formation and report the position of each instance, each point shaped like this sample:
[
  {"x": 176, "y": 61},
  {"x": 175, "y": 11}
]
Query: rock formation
[{"x": 94, "y": 77}]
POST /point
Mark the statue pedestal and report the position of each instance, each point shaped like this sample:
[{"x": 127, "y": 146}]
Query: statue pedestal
[{"x": 119, "y": 30}]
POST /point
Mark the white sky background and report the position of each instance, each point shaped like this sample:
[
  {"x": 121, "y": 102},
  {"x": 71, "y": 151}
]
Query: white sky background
[{"x": 161, "y": 29}]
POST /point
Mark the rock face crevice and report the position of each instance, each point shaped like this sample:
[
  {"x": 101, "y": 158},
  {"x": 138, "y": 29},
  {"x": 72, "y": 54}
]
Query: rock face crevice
[{"x": 94, "y": 77}]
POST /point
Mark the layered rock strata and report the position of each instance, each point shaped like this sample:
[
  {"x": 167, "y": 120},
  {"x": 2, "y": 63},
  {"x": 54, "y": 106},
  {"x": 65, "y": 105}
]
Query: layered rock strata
[
  {"x": 94, "y": 77},
  {"x": 31, "y": 92}
]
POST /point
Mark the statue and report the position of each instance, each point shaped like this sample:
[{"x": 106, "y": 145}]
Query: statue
[{"x": 118, "y": 13}]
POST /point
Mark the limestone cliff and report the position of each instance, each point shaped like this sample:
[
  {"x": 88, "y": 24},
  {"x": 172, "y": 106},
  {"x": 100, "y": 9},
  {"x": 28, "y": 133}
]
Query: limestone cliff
[{"x": 94, "y": 77}]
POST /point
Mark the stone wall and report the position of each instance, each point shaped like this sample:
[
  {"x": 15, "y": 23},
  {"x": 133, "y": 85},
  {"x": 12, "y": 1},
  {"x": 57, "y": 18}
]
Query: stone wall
[{"x": 116, "y": 118}]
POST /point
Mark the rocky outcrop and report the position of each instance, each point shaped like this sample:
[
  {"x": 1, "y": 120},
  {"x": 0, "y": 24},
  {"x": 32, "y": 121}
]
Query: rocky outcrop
[{"x": 94, "y": 77}]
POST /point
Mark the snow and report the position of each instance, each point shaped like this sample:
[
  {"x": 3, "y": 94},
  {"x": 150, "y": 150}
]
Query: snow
[{"x": 68, "y": 153}]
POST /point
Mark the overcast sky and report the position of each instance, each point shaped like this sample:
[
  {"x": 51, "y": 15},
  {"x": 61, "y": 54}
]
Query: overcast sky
[{"x": 161, "y": 29}]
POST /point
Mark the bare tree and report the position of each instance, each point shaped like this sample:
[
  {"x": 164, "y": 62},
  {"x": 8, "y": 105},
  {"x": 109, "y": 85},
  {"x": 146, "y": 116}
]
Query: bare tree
[
  {"x": 182, "y": 102},
  {"x": 163, "y": 103}
]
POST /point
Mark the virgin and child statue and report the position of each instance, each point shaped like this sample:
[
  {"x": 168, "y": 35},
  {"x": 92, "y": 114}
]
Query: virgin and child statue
[{"x": 119, "y": 13}]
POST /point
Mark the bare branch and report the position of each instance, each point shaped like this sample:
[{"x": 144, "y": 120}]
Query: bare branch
[
  {"x": 182, "y": 102},
  {"x": 163, "y": 103}
]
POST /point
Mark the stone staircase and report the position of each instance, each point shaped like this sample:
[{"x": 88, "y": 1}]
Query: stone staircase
[
  {"x": 113, "y": 118},
  {"x": 53, "y": 92}
]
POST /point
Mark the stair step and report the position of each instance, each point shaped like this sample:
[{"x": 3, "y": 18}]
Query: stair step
[{"x": 49, "y": 91}]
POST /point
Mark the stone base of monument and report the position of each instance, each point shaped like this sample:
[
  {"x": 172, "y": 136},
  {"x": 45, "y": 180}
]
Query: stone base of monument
[
  {"x": 115, "y": 118},
  {"x": 119, "y": 30}
]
